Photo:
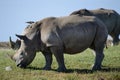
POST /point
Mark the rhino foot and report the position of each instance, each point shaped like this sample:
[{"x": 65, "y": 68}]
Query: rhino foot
[
  {"x": 96, "y": 68},
  {"x": 47, "y": 68},
  {"x": 61, "y": 69}
]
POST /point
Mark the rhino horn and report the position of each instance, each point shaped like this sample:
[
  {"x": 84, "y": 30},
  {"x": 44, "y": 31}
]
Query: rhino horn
[
  {"x": 22, "y": 37},
  {"x": 11, "y": 43}
]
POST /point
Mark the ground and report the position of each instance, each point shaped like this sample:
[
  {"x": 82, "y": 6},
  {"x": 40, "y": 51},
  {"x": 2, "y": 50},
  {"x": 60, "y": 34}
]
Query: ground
[{"x": 79, "y": 67}]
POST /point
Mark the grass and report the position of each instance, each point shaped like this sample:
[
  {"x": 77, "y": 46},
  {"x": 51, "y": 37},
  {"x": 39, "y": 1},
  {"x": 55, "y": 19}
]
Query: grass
[{"x": 79, "y": 67}]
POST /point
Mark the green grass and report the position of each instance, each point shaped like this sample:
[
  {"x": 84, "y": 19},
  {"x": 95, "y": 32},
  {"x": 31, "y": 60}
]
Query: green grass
[{"x": 79, "y": 67}]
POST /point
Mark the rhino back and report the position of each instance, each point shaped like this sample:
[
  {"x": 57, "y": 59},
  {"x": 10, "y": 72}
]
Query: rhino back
[
  {"x": 109, "y": 17},
  {"x": 75, "y": 33}
]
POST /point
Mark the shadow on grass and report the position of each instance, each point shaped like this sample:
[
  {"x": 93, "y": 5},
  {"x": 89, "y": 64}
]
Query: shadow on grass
[
  {"x": 108, "y": 69},
  {"x": 88, "y": 71},
  {"x": 33, "y": 68},
  {"x": 80, "y": 71},
  {"x": 36, "y": 68}
]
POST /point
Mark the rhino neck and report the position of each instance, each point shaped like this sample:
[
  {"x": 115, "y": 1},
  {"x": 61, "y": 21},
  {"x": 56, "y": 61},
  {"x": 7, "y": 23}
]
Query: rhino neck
[
  {"x": 39, "y": 45},
  {"x": 37, "y": 42}
]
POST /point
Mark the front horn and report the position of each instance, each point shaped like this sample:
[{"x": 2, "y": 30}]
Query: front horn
[{"x": 11, "y": 43}]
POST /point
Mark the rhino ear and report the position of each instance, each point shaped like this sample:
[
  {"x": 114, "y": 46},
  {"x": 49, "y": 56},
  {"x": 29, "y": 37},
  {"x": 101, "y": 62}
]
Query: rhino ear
[
  {"x": 30, "y": 22},
  {"x": 23, "y": 37}
]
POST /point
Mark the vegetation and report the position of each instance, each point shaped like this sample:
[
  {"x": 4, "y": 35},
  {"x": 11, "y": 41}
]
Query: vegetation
[
  {"x": 4, "y": 45},
  {"x": 79, "y": 67}
]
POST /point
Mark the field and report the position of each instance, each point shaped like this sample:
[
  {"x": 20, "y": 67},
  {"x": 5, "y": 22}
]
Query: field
[{"x": 79, "y": 67}]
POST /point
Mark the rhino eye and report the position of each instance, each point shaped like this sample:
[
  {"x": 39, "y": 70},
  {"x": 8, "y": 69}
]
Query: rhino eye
[
  {"x": 27, "y": 26},
  {"x": 22, "y": 53}
]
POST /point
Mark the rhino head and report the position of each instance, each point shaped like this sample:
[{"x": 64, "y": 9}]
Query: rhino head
[{"x": 30, "y": 43}]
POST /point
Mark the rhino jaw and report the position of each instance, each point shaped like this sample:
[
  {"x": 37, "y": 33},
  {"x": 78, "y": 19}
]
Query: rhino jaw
[{"x": 21, "y": 65}]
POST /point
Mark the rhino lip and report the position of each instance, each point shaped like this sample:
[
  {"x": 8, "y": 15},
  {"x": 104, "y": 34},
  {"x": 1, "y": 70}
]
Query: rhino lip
[{"x": 21, "y": 65}]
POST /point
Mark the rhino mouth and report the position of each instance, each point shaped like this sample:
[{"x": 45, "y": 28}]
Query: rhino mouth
[{"x": 21, "y": 65}]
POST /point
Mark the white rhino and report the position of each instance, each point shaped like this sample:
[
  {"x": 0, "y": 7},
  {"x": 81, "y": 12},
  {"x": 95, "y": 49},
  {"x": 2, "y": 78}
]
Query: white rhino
[
  {"x": 109, "y": 17},
  {"x": 70, "y": 35}
]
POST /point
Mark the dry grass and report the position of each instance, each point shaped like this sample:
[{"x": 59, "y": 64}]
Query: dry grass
[{"x": 4, "y": 45}]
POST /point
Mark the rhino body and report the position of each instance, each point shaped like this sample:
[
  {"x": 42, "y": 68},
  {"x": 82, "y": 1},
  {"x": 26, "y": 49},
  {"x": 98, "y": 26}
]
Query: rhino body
[
  {"x": 109, "y": 17},
  {"x": 70, "y": 34}
]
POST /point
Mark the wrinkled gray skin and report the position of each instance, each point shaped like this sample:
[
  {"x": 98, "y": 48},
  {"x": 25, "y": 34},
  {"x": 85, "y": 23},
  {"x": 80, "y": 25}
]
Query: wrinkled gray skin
[
  {"x": 71, "y": 35},
  {"x": 109, "y": 17}
]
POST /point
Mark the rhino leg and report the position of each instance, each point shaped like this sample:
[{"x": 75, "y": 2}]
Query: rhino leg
[
  {"x": 116, "y": 40},
  {"x": 48, "y": 58},
  {"x": 58, "y": 53},
  {"x": 98, "y": 59}
]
